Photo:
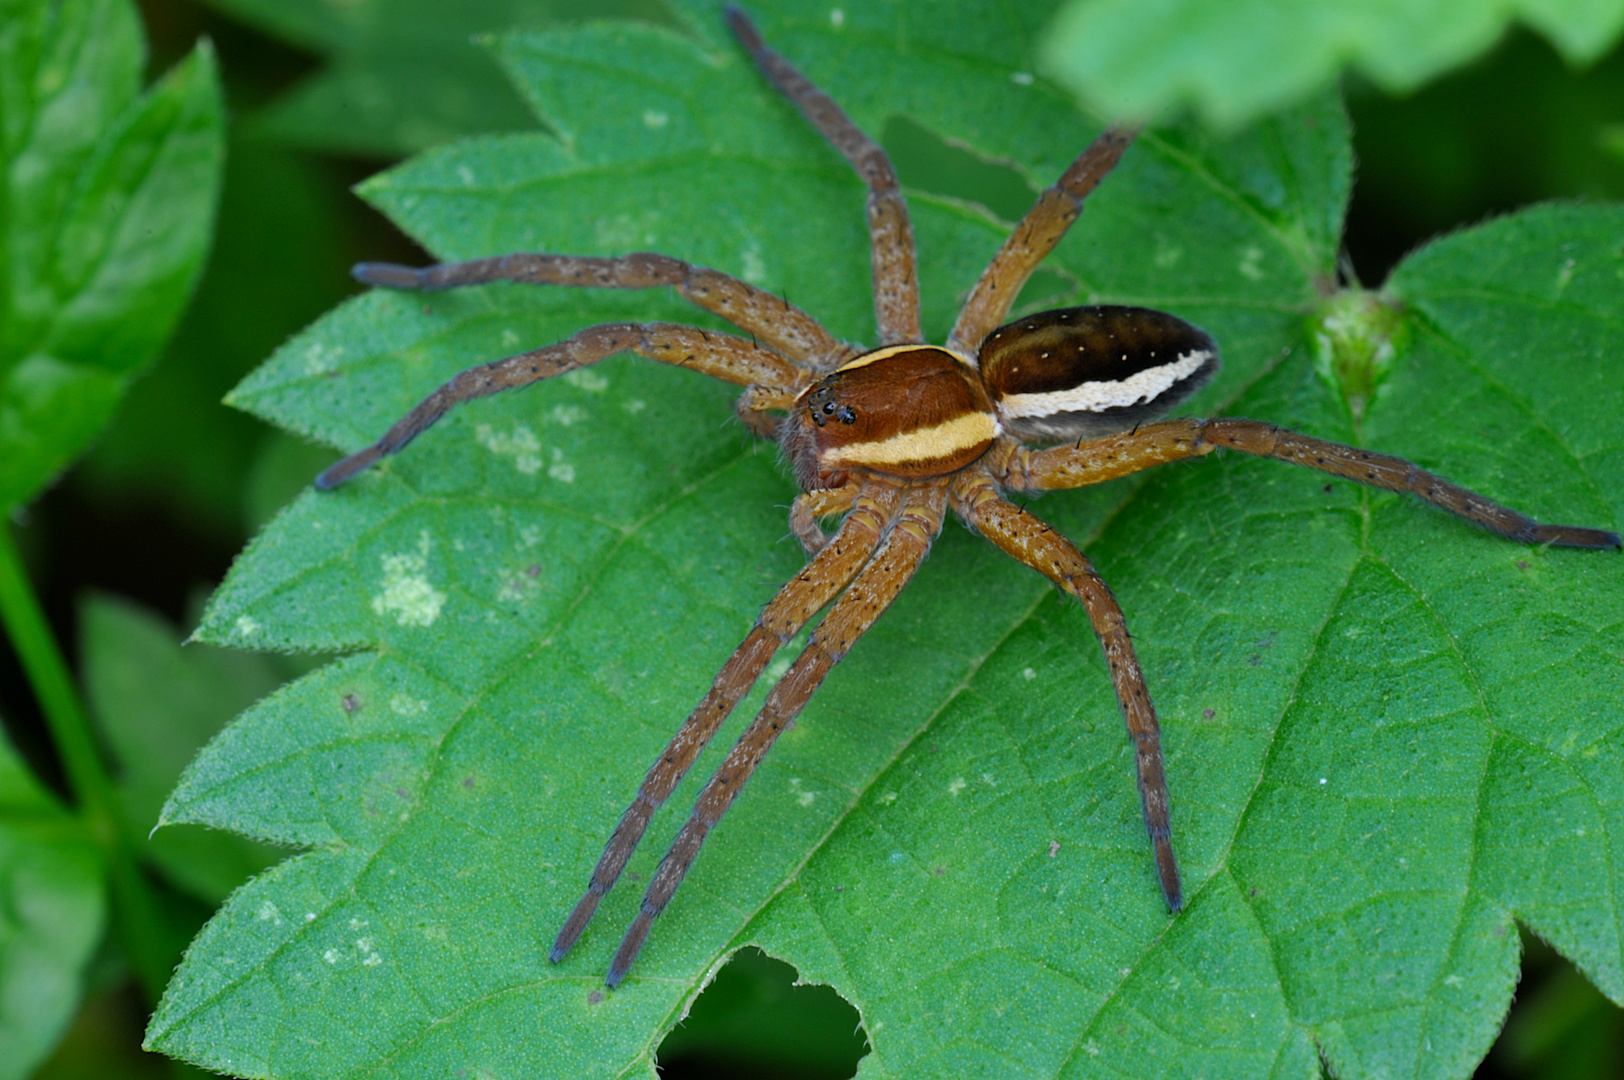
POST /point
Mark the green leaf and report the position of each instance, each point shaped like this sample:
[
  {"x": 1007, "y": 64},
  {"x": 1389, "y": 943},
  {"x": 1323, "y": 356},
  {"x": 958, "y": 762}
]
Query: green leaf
[
  {"x": 157, "y": 705},
  {"x": 1240, "y": 60},
  {"x": 403, "y": 75},
  {"x": 539, "y": 589},
  {"x": 279, "y": 219},
  {"x": 52, "y": 896},
  {"x": 108, "y": 205}
]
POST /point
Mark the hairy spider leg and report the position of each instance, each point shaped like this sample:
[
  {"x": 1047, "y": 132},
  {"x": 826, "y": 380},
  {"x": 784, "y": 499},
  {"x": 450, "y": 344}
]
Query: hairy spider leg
[
  {"x": 1029, "y": 539},
  {"x": 896, "y": 278},
  {"x": 1037, "y": 234},
  {"x": 800, "y": 599},
  {"x": 772, "y": 320},
  {"x": 708, "y": 352},
  {"x": 904, "y": 548},
  {"x": 809, "y": 506},
  {"x": 1098, "y": 460}
]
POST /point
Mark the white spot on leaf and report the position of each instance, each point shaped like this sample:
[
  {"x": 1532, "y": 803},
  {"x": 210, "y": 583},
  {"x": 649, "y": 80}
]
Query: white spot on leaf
[
  {"x": 561, "y": 470},
  {"x": 1021, "y": 78},
  {"x": 407, "y": 594},
  {"x": 1248, "y": 266},
  {"x": 520, "y": 444},
  {"x": 246, "y": 626},
  {"x": 955, "y": 786},
  {"x": 406, "y": 705},
  {"x": 837, "y": 18},
  {"x": 751, "y": 266},
  {"x": 588, "y": 380},
  {"x": 654, "y": 120}
]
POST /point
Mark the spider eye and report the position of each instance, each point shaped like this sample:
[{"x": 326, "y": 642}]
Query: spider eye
[
  {"x": 847, "y": 415},
  {"x": 828, "y": 408}
]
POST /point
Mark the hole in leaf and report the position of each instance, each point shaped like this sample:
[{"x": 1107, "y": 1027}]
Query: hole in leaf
[
  {"x": 1561, "y": 1027},
  {"x": 753, "y": 1021},
  {"x": 926, "y": 161}
]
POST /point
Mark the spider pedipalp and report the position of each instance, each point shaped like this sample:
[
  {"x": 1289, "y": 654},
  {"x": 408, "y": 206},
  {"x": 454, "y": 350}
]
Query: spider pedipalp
[{"x": 893, "y": 437}]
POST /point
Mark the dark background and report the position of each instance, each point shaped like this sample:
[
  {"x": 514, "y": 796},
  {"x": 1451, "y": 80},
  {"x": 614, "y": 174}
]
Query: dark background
[{"x": 159, "y": 508}]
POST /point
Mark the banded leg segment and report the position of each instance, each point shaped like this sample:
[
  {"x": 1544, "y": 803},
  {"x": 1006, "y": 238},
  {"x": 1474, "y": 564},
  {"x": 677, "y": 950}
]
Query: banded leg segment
[
  {"x": 809, "y": 506},
  {"x": 873, "y": 591},
  {"x": 721, "y": 356},
  {"x": 896, "y": 278},
  {"x": 1037, "y": 234},
  {"x": 1029, "y": 539},
  {"x": 800, "y": 599},
  {"x": 771, "y": 319},
  {"x": 1105, "y": 459}
]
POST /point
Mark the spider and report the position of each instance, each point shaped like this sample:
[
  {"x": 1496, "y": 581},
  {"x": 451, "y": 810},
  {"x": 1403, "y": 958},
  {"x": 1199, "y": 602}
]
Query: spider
[{"x": 890, "y": 438}]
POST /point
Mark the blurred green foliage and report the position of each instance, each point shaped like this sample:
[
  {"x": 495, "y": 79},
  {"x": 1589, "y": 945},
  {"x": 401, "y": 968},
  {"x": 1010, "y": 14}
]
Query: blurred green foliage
[{"x": 382, "y": 79}]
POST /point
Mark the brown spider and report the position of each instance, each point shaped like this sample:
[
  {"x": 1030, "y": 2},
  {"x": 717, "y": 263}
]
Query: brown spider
[{"x": 893, "y": 436}]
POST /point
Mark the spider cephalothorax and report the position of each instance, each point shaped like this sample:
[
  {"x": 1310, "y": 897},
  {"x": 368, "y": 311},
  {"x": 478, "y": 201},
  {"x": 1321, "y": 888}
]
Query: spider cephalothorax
[{"x": 890, "y": 438}]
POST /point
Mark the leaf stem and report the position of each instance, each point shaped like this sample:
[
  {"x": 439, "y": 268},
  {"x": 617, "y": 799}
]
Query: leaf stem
[{"x": 135, "y": 905}]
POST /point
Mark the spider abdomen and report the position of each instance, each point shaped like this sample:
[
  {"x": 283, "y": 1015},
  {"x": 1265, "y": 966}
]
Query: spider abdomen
[
  {"x": 1084, "y": 372},
  {"x": 905, "y": 410}
]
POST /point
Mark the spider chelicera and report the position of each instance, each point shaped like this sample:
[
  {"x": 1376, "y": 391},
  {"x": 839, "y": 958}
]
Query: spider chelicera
[{"x": 891, "y": 437}]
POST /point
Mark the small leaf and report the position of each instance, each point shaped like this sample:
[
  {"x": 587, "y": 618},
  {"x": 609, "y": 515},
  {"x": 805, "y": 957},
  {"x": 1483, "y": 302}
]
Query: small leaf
[
  {"x": 52, "y": 893},
  {"x": 107, "y": 219},
  {"x": 1239, "y": 61}
]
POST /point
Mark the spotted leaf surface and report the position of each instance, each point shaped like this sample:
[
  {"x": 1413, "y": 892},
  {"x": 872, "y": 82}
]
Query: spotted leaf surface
[{"x": 1389, "y": 735}]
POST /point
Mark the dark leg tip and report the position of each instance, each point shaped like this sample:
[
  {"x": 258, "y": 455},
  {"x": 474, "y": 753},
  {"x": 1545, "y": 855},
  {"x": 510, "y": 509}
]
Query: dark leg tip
[
  {"x": 1576, "y": 536},
  {"x": 389, "y": 275},
  {"x": 339, "y": 472},
  {"x": 1167, "y": 870},
  {"x": 743, "y": 28}
]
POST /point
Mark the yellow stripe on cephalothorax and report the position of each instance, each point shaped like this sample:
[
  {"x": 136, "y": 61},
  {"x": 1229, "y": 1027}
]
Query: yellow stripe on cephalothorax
[
  {"x": 893, "y": 350},
  {"x": 939, "y": 442}
]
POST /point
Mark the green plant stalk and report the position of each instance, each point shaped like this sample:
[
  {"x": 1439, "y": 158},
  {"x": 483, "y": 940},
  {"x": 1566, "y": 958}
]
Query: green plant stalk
[{"x": 135, "y": 905}]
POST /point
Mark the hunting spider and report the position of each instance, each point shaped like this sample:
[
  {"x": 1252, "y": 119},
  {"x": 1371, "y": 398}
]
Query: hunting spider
[{"x": 891, "y": 437}]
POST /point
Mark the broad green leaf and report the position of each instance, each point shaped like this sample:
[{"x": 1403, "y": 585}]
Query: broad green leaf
[
  {"x": 108, "y": 204},
  {"x": 278, "y": 261},
  {"x": 403, "y": 75},
  {"x": 52, "y": 907},
  {"x": 538, "y": 590},
  {"x": 1239, "y": 60},
  {"x": 157, "y": 705}
]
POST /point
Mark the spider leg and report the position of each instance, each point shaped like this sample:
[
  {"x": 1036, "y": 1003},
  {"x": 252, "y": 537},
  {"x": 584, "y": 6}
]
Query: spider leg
[
  {"x": 1168, "y": 440},
  {"x": 896, "y": 279},
  {"x": 752, "y": 405},
  {"x": 809, "y": 506},
  {"x": 801, "y": 598},
  {"x": 861, "y": 605},
  {"x": 1030, "y": 540},
  {"x": 772, "y": 319},
  {"x": 1037, "y": 234},
  {"x": 719, "y": 355}
]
